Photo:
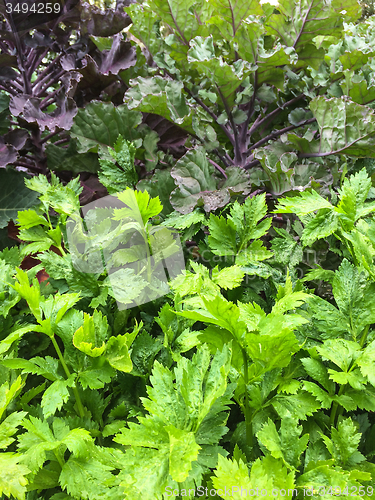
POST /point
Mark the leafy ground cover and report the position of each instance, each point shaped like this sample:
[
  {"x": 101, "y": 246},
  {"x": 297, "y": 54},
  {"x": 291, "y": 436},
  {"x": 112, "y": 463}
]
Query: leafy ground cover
[
  {"x": 237, "y": 139},
  {"x": 242, "y": 375}
]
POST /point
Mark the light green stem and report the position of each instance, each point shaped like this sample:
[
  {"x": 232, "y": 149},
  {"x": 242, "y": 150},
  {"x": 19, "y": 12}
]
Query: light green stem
[
  {"x": 63, "y": 253},
  {"x": 364, "y": 336},
  {"x": 81, "y": 410},
  {"x": 145, "y": 238},
  {"x": 333, "y": 414},
  {"x": 59, "y": 460},
  {"x": 335, "y": 406},
  {"x": 248, "y": 424}
]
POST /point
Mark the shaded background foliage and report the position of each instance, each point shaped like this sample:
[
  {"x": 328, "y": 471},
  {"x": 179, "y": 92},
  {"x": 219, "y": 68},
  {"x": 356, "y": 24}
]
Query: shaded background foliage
[
  {"x": 50, "y": 66},
  {"x": 368, "y": 9},
  {"x": 212, "y": 102}
]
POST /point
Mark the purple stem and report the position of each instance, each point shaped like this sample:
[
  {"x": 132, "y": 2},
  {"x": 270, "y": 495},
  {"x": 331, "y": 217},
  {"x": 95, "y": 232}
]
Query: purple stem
[
  {"x": 212, "y": 114},
  {"x": 251, "y": 164},
  {"x": 220, "y": 169},
  {"x": 251, "y": 110},
  {"x": 51, "y": 82},
  {"x": 38, "y": 62},
  {"x": 33, "y": 168},
  {"x": 45, "y": 103},
  {"x": 9, "y": 90},
  {"x": 47, "y": 70},
  {"x": 18, "y": 88},
  {"x": 280, "y": 132},
  {"x": 61, "y": 141},
  {"x": 237, "y": 153},
  {"x": 47, "y": 137},
  {"x": 275, "y": 112}
]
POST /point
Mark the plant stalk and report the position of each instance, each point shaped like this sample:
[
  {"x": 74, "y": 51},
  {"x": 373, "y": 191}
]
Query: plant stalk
[
  {"x": 61, "y": 463},
  {"x": 248, "y": 423},
  {"x": 334, "y": 407},
  {"x": 364, "y": 336},
  {"x": 81, "y": 410}
]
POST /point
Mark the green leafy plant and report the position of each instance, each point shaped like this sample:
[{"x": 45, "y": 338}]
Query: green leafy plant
[
  {"x": 115, "y": 179},
  {"x": 240, "y": 377},
  {"x": 272, "y": 90}
]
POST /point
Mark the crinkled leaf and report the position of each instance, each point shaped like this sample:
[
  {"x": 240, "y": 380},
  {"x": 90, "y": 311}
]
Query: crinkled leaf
[
  {"x": 198, "y": 187},
  {"x": 100, "y": 124},
  {"x": 162, "y": 97},
  {"x": 301, "y": 21},
  {"x": 193, "y": 176},
  {"x": 30, "y": 110},
  {"x": 345, "y": 127}
]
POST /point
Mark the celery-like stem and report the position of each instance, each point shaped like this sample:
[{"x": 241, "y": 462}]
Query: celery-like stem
[
  {"x": 364, "y": 336},
  {"x": 248, "y": 423},
  {"x": 59, "y": 459},
  {"x": 81, "y": 410},
  {"x": 335, "y": 406}
]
